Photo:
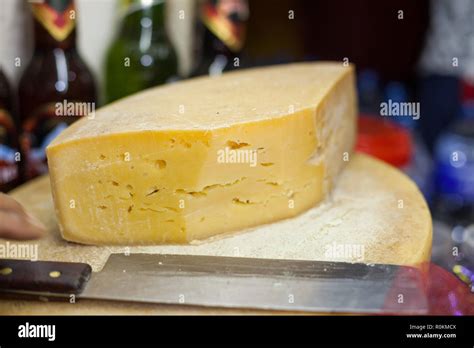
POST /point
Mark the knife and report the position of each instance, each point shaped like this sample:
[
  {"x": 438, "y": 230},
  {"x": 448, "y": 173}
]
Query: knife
[{"x": 232, "y": 282}]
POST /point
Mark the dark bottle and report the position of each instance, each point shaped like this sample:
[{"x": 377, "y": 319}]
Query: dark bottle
[
  {"x": 141, "y": 56},
  {"x": 225, "y": 24},
  {"x": 9, "y": 155},
  {"x": 56, "y": 88}
]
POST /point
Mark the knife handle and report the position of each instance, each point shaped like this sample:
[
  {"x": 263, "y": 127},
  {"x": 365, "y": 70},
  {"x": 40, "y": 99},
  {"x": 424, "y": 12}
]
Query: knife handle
[{"x": 43, "y": 276}]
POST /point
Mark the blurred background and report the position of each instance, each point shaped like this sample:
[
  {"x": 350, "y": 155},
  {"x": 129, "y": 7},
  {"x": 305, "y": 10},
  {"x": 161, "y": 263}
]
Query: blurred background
[{"x": 414, "y": 60}]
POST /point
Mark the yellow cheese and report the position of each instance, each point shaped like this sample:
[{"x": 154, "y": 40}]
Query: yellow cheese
[{"x": 206, "y": 156}]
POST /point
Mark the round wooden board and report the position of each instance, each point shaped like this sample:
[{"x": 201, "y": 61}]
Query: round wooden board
[{"x": 374, "y": 208}]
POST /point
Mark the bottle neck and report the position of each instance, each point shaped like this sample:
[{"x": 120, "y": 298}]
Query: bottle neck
[
  {"x": 44, "y": 41},
  {"x": 224, "y": 27},
  {"x": 213, "y": 46},
  {"x": 144, "y": 21},
  {"x": 54, "y": 24}
]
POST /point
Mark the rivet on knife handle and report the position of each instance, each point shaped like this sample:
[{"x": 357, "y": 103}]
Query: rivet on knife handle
[{"x": 43, "y": 276}]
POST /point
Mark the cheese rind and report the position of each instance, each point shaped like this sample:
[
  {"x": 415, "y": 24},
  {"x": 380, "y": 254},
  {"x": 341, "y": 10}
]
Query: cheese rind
[{"x": 206, "y": 156}]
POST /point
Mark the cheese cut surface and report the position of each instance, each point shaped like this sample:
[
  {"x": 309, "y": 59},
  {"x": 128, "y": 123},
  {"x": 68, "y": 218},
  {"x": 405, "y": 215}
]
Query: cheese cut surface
[{"x": 206, "y": 156}]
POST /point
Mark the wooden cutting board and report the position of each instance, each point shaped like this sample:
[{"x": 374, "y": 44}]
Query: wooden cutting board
[{"x": 375, "y": 213}]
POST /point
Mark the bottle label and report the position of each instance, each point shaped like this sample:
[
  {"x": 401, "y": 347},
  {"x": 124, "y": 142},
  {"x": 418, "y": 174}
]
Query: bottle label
[
  {"x": 8, "y": 152},
  {"x": 39, "y": 130},
  {"x": 226, "y": 19},
  {"x": 56, "y": 16}
]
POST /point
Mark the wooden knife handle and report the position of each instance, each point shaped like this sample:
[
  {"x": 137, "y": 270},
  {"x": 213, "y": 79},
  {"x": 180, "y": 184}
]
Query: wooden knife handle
[{"x": 43, "y": 276}]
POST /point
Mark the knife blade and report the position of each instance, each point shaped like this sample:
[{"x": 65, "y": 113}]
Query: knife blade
[{"x": 232, "y": 282}]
